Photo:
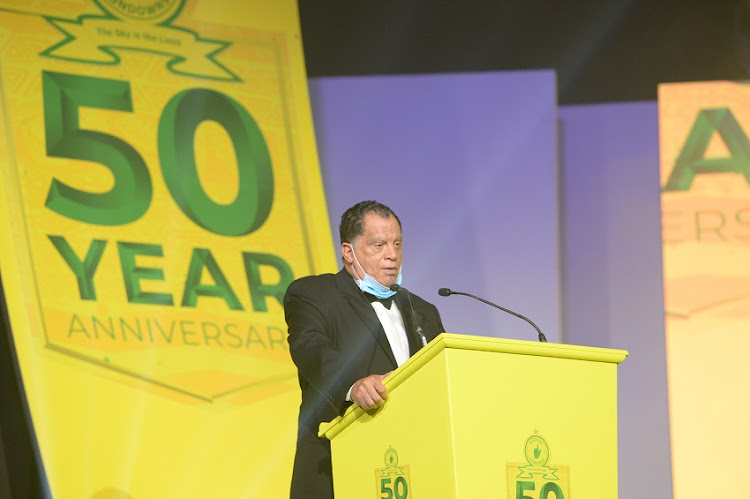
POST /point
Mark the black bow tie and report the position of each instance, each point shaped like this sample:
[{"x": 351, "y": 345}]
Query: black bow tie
[{"x": 385, "y": 301}]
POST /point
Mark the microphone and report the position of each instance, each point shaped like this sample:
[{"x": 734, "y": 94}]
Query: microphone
[
  {"x": 417, "y": 327},
  {"x": 448, "y": 292}
]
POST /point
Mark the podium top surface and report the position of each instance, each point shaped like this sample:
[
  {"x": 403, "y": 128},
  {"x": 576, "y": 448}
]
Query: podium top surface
[{"x": 446, "y": 341}]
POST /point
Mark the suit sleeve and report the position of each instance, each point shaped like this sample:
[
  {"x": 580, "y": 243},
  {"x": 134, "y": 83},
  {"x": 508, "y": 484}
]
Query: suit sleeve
[{"x": 312, "y": 346}]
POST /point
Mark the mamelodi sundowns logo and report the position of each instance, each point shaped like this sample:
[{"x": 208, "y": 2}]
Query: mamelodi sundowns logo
[
  {"x": 393, "y": 480},
  {"x": 140, "y": 25},
  {"x": 164, "y": 201},
  {"x": 704, "y": 133},
  {"x": 537, "y": 478}
]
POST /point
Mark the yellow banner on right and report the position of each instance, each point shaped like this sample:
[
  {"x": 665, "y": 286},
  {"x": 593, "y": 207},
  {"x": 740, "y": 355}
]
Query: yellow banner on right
[{"x": 704, "y": 132}]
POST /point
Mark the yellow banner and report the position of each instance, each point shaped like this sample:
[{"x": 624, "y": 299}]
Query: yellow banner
[
  {"x": 162, "y": 190},
  {"x": 705, "y": 178}
]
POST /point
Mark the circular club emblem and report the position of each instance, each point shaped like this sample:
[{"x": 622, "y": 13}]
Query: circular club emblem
[
  {"x": 391, "y": 458},
  {"x": 151, "y": 11},
  {"x": 536, "y": 450}
]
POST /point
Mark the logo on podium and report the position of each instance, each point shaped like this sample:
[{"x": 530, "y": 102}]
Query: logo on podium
[
  {"x": 392, "y": 482},
  {"x": 536, "y": 478}
]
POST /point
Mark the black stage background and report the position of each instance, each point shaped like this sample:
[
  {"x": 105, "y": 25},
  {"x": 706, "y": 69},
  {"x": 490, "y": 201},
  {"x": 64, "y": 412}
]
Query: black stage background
[{"x": 602, "y": 50}]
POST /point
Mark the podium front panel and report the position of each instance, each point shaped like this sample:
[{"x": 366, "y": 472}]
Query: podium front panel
[{"x": 470, "y": 417}]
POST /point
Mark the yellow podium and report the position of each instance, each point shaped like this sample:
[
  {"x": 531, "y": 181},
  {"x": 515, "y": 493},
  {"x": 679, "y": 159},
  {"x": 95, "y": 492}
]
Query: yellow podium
[{"x": 474, "y": 417}]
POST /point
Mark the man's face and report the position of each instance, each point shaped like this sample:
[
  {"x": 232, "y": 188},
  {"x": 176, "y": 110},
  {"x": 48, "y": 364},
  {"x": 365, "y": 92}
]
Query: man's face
[{"x": 378, "y": 249}]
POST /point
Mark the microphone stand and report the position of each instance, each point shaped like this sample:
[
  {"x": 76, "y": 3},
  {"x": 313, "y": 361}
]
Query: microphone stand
[{"x": 448, "y": 292}]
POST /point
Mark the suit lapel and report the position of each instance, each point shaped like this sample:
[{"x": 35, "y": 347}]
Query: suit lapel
[
  {"x": 402, "y": 302},
  {"x": 362, "y": 307}
]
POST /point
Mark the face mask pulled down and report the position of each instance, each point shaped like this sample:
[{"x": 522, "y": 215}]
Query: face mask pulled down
[{"x": 369, "y": 285}]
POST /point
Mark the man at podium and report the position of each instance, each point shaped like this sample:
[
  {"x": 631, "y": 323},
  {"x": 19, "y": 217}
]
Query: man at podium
[{"x": 347, "y": 331}]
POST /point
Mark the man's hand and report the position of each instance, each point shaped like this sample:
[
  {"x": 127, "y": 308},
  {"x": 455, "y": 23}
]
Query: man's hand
[{"x": 370, "y": 392}]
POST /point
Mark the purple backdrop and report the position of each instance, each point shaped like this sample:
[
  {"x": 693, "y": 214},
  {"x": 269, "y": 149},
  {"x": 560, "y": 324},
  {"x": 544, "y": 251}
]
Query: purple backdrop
[
  {"x": 468, "y": 163},
  {"x": 612, "y": 272}
]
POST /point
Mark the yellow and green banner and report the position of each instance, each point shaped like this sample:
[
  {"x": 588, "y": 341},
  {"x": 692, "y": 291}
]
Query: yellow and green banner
[
  {"x": 160, "y": 189},
  {"x": 705, "y": 177}
]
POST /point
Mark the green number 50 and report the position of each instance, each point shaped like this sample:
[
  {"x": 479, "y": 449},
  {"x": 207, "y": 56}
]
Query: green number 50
[{"x": 132, "y": 191}]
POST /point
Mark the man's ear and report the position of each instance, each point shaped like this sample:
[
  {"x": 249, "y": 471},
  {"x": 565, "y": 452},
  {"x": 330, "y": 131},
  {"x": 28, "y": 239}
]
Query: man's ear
[{"x": 346, "y": 253}]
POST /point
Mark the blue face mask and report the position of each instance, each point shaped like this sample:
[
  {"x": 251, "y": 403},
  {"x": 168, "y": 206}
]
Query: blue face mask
[{"x": 370, "y": 285}]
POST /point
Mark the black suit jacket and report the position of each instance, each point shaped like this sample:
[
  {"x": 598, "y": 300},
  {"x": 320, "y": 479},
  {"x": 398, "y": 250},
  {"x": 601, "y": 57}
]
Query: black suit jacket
[{"x": 335, "y": 339}]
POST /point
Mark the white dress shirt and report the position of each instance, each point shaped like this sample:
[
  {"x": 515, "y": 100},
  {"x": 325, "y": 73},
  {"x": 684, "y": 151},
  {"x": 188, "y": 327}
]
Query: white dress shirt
[{"x": 395, "y": 331}]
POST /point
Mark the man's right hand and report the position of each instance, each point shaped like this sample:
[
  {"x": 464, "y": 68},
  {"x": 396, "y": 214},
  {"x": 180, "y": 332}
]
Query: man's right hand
[{"x": 370, "y": 392}]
